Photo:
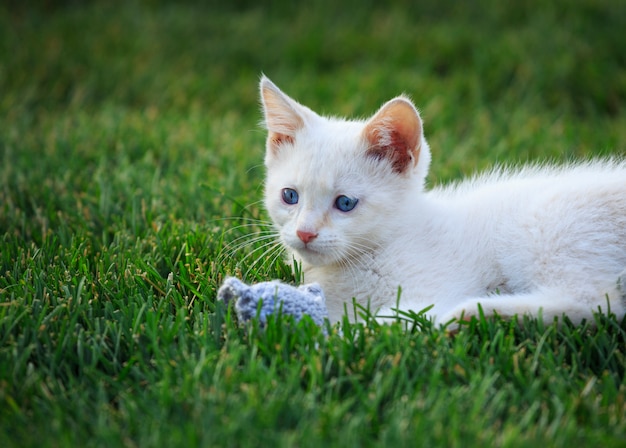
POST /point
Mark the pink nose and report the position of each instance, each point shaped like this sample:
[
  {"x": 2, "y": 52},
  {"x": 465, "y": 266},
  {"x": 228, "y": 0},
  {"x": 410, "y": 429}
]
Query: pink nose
[{"x": 306, "y": 237}]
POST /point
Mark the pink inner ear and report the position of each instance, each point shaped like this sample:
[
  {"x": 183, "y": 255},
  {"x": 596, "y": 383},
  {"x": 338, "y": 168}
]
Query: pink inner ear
[
  {"x": 397, "y": 151},
  {"x": 394, "y": 134},
  {"x": 277, "y": 139},
  {"x": 281, "y": 117}
]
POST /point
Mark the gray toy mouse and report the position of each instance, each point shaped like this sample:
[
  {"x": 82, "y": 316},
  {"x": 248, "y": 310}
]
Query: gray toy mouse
[{"x": 305, "y": 300}]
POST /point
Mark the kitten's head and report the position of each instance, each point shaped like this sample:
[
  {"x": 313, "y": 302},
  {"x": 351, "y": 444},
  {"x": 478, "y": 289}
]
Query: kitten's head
[{"x": 336, "y": 189}]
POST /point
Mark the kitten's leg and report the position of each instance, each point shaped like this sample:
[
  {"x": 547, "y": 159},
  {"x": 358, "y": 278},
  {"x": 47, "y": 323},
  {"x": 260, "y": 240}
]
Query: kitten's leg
[{"x": 553, "y": 303}]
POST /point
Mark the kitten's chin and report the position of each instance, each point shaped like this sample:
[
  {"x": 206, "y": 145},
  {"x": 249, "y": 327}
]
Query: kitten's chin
[{"x": 313, "y": 257}]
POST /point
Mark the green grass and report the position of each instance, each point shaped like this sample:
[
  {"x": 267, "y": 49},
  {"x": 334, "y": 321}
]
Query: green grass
[{"x": 130, "y": 157}]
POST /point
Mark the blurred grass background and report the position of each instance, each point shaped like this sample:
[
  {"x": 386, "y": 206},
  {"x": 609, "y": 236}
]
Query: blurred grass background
[
  {"x": 129, "y": 131},
  {"x": 103, "y": 86}
]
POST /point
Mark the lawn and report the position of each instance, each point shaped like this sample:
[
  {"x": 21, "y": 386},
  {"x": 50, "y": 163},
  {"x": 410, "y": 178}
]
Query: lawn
[{"x": 130, "y": 184}]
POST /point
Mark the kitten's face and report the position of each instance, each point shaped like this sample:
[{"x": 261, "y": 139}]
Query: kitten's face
[
  {"x": 334, "y": 188},
  {"x": 326, "y": 200}
]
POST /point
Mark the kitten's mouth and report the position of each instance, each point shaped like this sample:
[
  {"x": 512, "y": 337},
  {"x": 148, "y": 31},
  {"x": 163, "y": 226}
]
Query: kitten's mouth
[
  {"x": 316, "y": 253},
  {"x": 308, "y": 250},
  {"x": 312, "y": 256},
  {"x": 315, "y": 257}
]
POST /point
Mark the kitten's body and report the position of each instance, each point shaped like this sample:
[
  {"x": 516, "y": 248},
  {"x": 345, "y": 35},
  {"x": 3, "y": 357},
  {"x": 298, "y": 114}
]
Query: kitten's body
[{"x": 361, "y": 224}]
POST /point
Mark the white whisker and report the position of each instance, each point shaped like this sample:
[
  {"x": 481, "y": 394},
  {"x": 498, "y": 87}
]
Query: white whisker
[
  {"x": 250, "y": 244},
  {"x": 272, "y": 248}
]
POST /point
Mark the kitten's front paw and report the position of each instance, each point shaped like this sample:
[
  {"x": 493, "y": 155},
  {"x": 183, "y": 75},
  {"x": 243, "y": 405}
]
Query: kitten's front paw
[
  {"x": 458, "y": 315},
  {"x": 451, "y": 324}
]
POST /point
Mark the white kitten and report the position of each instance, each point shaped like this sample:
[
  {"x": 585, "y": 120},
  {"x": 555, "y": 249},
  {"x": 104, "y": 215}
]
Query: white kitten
[{"x": 348, "y": 200}]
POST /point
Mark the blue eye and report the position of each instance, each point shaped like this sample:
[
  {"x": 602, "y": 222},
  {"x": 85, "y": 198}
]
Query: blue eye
[
  {"x": 345, "y": 204},
  {"x": 290, "y": 196}
]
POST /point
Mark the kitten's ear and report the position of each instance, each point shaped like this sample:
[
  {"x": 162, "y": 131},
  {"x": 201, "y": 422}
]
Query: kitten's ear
[
  {"x": 283, "y": 116},
  {"x": 395, "y": 134}
]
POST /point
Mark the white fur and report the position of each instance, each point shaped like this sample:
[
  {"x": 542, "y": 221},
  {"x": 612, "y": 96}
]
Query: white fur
[{"x": 514, "y": 241}]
